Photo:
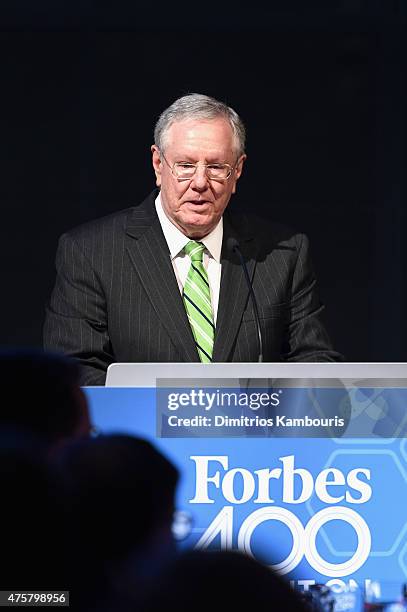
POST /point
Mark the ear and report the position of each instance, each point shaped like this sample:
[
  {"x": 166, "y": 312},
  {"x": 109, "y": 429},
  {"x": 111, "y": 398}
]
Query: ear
[
  {"x": 157, "y": 164},
  {"x": 238, "y": 171}
]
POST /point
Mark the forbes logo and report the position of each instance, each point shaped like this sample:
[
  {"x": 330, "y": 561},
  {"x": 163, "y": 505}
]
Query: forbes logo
[
  {"x": 257, "y": 484},
  {"x": 256, "y": 488}
]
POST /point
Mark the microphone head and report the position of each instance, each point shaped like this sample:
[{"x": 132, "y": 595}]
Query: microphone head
[{"x": 232, "y": 244}]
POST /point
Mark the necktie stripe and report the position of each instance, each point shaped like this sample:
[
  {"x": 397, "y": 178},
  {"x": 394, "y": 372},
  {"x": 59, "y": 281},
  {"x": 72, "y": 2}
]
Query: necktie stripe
[
  {"x": 197, "y": 301},
  {"x": 199, "y": 293},
  {"x": 195, "y": 250},
  {"x": 201, "y": 331},
  {"x": 203, "y": 351},
  {"x": 199, "y": 310},
  {"x": 201, "y": 275}
]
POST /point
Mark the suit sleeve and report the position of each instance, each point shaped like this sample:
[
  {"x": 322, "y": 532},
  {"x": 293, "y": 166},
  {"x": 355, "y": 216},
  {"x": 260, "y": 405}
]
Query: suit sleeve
[
  {"x": 76, "y": 316},
  {"x": 307, "y": 338}
]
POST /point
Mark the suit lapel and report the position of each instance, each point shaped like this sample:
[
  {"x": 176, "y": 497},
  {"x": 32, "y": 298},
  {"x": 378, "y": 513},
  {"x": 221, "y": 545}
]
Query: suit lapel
[
  {"x": 234, "y": 292},
  {"x": 150, "y": 257}
]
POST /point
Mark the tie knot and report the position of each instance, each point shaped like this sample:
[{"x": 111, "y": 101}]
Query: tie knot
[{"x": 194, "y": 250}]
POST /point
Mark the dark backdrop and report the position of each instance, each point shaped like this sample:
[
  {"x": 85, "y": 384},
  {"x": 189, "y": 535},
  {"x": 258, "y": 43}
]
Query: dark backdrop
[{"x": 320, "y": 85}]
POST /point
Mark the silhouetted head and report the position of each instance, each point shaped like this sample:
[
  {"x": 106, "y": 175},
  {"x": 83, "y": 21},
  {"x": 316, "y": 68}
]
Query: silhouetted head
[
  {"x": 120, "y": 488},
  {"x": 42, "y": 395}
]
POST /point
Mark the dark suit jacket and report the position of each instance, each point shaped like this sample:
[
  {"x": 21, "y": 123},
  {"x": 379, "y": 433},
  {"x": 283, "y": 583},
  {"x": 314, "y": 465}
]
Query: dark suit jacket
[{"x": 116, "y": 298}]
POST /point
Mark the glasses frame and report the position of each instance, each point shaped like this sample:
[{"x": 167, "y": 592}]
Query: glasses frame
[{"x": 210, "y": 178}]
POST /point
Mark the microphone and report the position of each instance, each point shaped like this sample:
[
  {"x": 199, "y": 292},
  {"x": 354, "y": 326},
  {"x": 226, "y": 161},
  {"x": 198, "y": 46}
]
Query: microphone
[{"x": 234, "y": 247}]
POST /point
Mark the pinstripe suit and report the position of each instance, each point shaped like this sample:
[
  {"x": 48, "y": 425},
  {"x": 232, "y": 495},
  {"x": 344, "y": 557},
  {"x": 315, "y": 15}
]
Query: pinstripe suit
[{"x": 116, "y": 297}]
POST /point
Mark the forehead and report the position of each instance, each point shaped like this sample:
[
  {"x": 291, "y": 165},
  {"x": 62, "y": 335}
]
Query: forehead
[{"x": 200, "y": 135}]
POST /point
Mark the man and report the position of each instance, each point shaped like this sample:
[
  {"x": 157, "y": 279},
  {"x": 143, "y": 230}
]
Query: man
[{"x": 158, "y": 283}]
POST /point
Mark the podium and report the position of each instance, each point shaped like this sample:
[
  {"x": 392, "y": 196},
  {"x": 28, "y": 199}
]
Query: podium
[
  {"x": 145, "y": 374},
  {"x": 320, "y": 503}
]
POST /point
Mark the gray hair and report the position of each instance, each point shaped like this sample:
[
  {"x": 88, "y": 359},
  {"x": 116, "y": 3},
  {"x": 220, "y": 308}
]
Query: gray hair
[{"x": 199, "y": 106}]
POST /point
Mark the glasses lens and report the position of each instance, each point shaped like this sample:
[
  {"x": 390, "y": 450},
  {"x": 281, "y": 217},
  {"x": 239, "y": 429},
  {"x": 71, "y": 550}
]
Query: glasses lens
[
  {"x": 184, "y": 171},
  {"x": 218, "y": 171},
  {"x": 213, "y": 171}
]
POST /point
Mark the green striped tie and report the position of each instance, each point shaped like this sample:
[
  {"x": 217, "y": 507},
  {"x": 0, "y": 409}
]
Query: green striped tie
[{"x": 197, "y": 300}]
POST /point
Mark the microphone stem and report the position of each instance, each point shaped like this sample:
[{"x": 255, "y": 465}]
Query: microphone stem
[{"x": 254, "y": 302}]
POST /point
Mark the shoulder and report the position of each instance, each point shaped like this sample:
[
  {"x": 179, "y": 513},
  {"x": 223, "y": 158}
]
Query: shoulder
[
  {"x": 267, "y": 232},
  {"x": 110, "y": 227},
  {"x": 114, "y": 222}
]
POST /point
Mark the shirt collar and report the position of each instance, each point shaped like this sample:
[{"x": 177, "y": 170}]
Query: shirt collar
[{"x": 176, "y": 240}]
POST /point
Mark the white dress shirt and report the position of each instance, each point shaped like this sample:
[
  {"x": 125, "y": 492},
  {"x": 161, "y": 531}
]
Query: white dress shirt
[{"x": 176, "y": 241}]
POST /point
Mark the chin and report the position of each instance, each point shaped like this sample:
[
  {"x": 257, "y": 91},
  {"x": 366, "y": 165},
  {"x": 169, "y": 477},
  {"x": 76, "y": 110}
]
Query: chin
[
  {"x": 197, "y": 227},
  {"x": 196, "y": 232}
]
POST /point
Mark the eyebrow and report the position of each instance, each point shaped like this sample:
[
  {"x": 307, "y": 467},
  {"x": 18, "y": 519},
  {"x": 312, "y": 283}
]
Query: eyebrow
[{"x": 189, "y": 160}]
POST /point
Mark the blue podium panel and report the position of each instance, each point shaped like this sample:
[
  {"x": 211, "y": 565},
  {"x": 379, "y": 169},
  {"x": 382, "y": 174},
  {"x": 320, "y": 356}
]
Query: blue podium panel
[{"x": 329, "y": 510}]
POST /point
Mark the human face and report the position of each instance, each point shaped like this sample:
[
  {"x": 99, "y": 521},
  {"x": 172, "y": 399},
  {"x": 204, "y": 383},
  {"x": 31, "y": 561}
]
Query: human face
[{"x": 195, "y": 205}]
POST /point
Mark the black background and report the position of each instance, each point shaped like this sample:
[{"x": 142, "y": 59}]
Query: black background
[{"x": 320, "y": 85}]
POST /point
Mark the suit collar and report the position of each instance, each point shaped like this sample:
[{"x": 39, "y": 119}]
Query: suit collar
[
  {"x": 149, "y": 254},
  {"x": 142, "y": 217}
]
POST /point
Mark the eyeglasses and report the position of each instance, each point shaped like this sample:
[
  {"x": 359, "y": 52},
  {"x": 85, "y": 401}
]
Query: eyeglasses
[{"x": 184, "y": 171}]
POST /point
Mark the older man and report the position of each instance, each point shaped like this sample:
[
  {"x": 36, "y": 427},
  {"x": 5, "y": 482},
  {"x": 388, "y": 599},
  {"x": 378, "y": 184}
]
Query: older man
[{"x": 158, "y": 283}]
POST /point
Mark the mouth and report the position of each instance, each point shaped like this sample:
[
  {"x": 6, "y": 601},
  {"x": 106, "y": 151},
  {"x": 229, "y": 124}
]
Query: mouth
[{"x": 198, "y": 202}]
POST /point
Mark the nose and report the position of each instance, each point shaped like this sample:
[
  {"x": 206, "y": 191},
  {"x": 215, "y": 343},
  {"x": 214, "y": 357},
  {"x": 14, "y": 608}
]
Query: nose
[{"x": 199, "y": 180}]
